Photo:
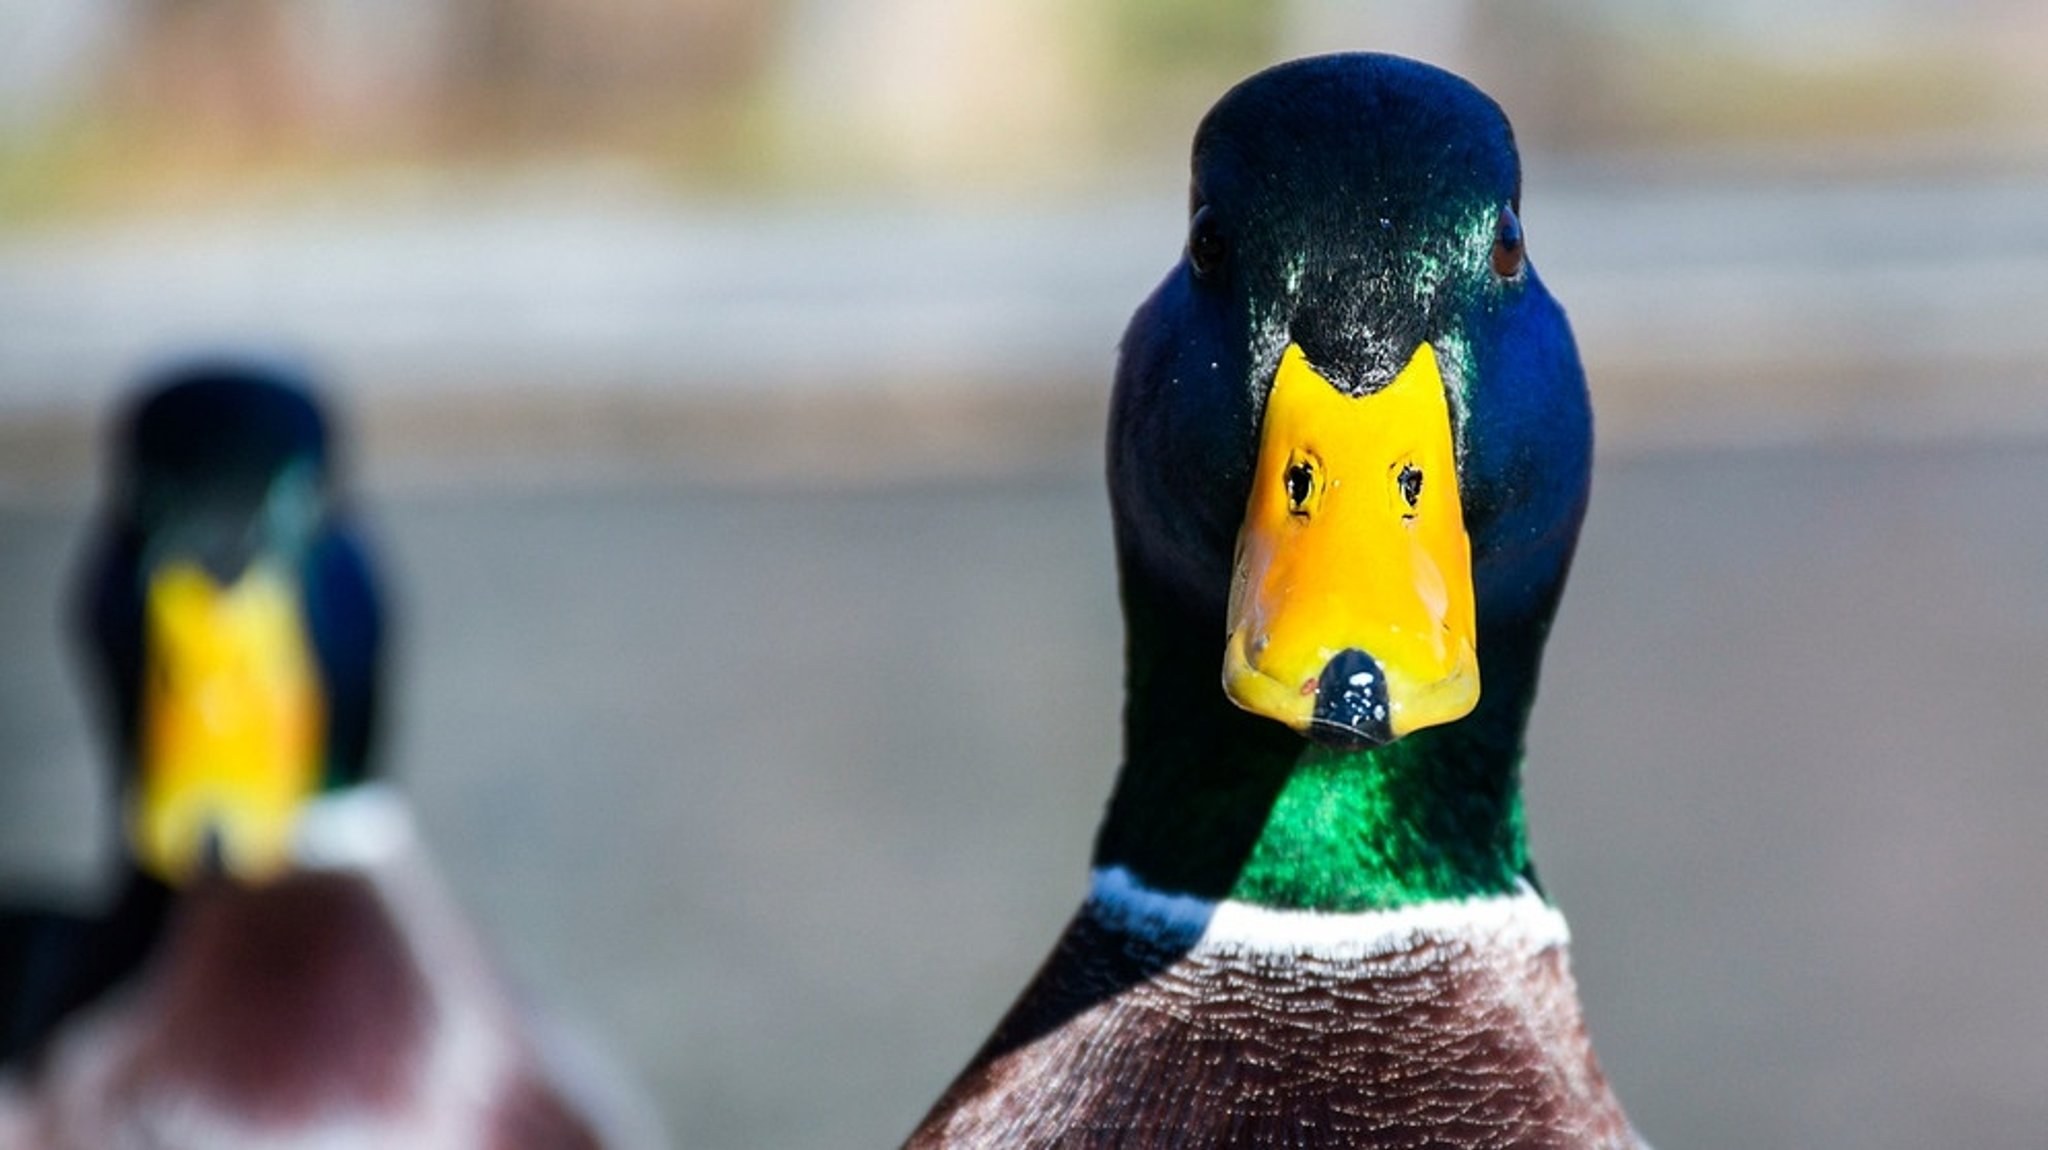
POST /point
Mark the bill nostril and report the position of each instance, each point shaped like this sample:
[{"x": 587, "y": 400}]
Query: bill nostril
[
  {"x": 213, "y": 851},
  {"x": 1351, "y": 702}
]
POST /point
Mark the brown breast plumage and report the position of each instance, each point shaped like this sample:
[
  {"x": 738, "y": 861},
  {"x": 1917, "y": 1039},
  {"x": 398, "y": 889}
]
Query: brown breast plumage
[{"x": 1441, "y": 1040}]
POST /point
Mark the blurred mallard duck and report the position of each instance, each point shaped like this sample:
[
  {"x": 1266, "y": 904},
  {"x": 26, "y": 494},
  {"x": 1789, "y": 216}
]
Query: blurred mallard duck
[
  {"x": 282, "y": 966},
  {"x": 1349, "y": 453}
]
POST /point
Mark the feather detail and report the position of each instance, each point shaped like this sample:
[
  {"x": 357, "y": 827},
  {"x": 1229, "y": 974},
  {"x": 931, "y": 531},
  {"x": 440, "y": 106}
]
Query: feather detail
[{"x": 1166, "y": 1021}]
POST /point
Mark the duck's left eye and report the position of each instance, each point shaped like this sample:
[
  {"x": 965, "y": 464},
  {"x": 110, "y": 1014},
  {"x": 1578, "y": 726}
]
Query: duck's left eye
[
  {"x": 1206, "y": 246},
  {"x": 1507, "y": 245}
]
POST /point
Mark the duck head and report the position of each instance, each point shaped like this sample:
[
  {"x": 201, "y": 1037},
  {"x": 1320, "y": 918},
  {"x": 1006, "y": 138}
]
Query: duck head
[
  {"x": 1350, "y": 430},
  {"x": 232, "y": 620}
]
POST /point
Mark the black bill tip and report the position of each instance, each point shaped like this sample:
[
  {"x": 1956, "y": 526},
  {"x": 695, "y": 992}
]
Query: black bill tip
[{"x": 1351, "y": 703}]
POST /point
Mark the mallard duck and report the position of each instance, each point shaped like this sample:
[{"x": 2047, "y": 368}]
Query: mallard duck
[
  {"x": 283, "y": 967},
  {"x": 1349, "y": 452}
]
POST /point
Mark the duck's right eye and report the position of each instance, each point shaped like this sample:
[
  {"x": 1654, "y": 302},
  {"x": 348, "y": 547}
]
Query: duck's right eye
[
  {"x": 1507, "y": 245},
  {"x": 1206, "y": 246}
]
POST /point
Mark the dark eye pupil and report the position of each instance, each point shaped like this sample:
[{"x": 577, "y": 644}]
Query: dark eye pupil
[
  {"x": 1411, "y": 484},
  {"x": 1299, "y": 481},
  {"x": 1205, "y": 243},
  {"x": 1507, "y": 245}
]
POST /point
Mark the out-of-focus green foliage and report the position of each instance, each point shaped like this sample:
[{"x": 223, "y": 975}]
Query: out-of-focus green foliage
[
  {"x": 1158, "y": 63},
  {"x": 189, "y": 101}
]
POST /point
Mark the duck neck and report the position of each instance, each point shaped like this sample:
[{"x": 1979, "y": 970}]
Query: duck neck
[{"x": 1218, "y": 803}]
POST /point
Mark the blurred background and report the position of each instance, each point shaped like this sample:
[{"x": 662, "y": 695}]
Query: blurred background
[{"x": 728, "y": 380}]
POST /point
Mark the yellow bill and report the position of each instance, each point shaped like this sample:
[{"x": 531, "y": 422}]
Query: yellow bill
[
  {"x": 233, "y": 724},
  {"x": 1351, "y": 607}
]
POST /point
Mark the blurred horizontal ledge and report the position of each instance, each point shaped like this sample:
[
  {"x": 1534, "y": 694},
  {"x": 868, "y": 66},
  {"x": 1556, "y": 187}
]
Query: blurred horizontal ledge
[
  {"x": 612, "y": 333},
  {"x": 513, "y": 438}
]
